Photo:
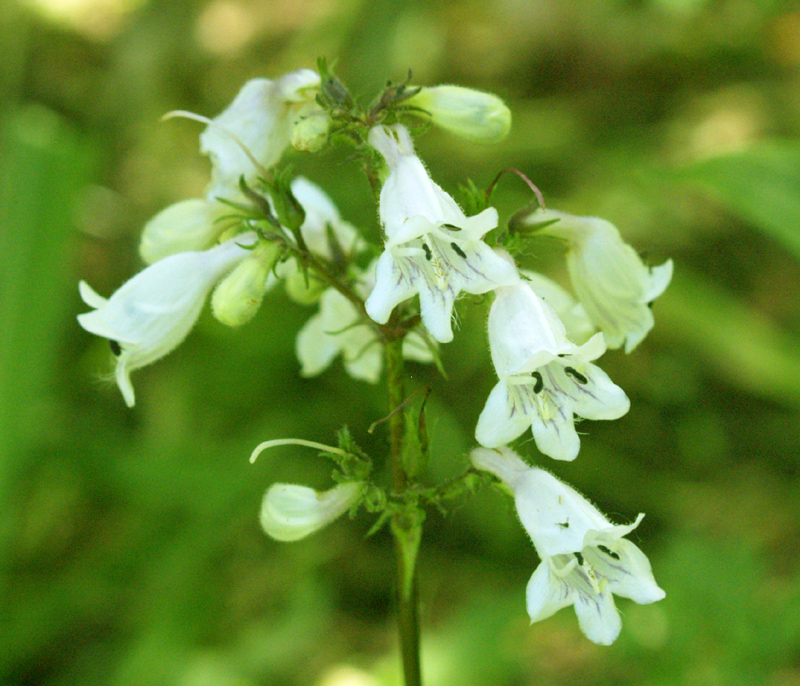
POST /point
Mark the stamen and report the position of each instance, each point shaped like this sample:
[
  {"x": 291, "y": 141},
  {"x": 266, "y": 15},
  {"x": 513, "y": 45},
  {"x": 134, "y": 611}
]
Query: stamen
[
  {"x": 579, "y": 558},
  {"x": 608, "y": 552},
  {"x": 428, "y": 253},
  {"x": 580, "y": 378},
  {"x": 539, "y": 385},
  {"x": 458, "y": 251}
]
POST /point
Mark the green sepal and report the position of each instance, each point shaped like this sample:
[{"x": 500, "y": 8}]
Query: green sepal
[
  {"x": 474, "y": 200},
  {"x": 356, "y": 465},
  {"x": 261, "y": 205},
  {"x": 289, "y": 210},
  {"x": 338, "y": 256},
  {"x": 333, "y": 95}
]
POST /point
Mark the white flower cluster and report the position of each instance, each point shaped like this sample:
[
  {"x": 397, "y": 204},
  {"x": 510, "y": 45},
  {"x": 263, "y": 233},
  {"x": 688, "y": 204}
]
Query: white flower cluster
[
  {"x": 546, "y": 371},
  {"x": 544, "y": 344}
]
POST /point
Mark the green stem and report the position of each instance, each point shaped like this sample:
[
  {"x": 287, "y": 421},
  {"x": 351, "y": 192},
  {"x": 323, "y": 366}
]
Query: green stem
[{"x": 406, "y": 526}]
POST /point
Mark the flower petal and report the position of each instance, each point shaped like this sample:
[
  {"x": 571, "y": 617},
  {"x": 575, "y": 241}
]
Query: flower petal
[
  {"x": 594, "y": 395},
  {"x": 154, "y": 311},
  {"x": 393, "y": 285},
  {"x": 598, "y": 617},
  {"x": 608, "y": 276},
  {"x": 259, "y": 119},
  {"x": 546, "y": 593},
  {"x": 502, "y": 419}
]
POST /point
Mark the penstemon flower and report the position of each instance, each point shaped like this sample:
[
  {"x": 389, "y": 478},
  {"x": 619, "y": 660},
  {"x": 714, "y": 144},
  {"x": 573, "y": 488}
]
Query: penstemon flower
[
  {"x": 432, "y": 248},
  {"x": 585, "y": 558},
  {"x": 256, "y": 128},
  {"x": 151, "y": 314},
  {"x": 544, "y": 378},
  {"x": 608, "y": 276}
]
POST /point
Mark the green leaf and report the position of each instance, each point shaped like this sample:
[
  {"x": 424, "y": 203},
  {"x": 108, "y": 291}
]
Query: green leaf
[
  {"x": 761, "y": 184},
  {"x": 738, "y": 342}
]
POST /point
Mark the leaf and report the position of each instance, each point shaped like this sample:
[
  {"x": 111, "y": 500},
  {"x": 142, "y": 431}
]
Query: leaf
[
  {"x": 761, "y": 184},
  {"x": 738, "y": 342}
]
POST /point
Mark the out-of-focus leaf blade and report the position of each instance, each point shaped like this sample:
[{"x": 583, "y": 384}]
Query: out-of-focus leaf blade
[
  {"x": 761, "y": 184},
  {"x": 738, "y": 342}
]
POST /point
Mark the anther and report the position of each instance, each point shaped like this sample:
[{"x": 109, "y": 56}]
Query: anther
[
  {"x": 608, "y": 552},
  {"x": 539, "y": 385},
  {"x": 458, "y": 251},
  {"x": 428, "y": 253},
  {"x": 116, "y": 348},
  {"x": 580, "y": 378}
]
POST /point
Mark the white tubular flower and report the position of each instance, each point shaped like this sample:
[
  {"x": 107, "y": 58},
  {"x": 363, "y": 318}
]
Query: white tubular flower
[
  {"x": 185, "y": 226},
  {"x": 585, "y": 558},
  {"x": 571, "y": 313},
  {"x": 150, "y": 315},
  {"x": 339, "y": 328},
  {"x": 467, "y": 113},
  {"x": 260, "y": 120},
  {"x": 608, "y": 276},
  {"x": 545, "y": 379},
  {"x": 289, "y": 512},
  {"x": 432, "y": 248}
]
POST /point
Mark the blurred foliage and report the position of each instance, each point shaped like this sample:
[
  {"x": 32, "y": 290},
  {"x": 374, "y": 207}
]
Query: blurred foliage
[{"x": 131, "y": 552}]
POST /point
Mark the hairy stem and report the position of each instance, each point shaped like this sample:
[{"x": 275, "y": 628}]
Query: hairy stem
[{"x": 406, "y": 527}]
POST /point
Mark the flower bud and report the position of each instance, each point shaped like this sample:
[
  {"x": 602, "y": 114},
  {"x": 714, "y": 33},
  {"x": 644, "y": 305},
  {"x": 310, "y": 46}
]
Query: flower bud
[
  {"x": 310, "y": 132},
  {"x": 289, "y": 512},
  {"x": 302, "y": 290},
  {"x": 185, "y": 226},
  {"x": 238, "y": 296},
  {"x": 470, "y": 114}
]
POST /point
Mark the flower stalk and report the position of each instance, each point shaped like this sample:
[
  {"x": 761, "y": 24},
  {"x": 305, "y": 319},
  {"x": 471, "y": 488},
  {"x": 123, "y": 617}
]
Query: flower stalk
[{"x": 406, "y": 523}]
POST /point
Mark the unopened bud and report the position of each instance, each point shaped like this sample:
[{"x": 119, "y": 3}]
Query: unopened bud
[
  {"x": 289, "y": 512},
  {"x": 238, "y": 296},
  {"x": 303, "y": 288},
  {"x": 470, "y": 114},
  {"x": 185, "y": 226},
  {"x": 310, "y": 132}
]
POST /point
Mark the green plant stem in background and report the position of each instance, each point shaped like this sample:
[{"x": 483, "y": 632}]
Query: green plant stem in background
[{"x": 406, "y": 523}]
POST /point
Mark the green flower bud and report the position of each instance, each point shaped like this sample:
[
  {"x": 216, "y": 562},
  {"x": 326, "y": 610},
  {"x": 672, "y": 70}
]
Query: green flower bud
[
  {"x": 310, "y": 132},
  {"x": 301, "y": 290},
  {"x": 238, "y": 296},
  {"x": 473, "y": 115}
]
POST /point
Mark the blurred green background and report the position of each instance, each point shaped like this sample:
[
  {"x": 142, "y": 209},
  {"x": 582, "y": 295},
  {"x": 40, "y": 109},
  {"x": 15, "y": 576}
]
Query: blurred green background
[{"x": 131, "y": 551}]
